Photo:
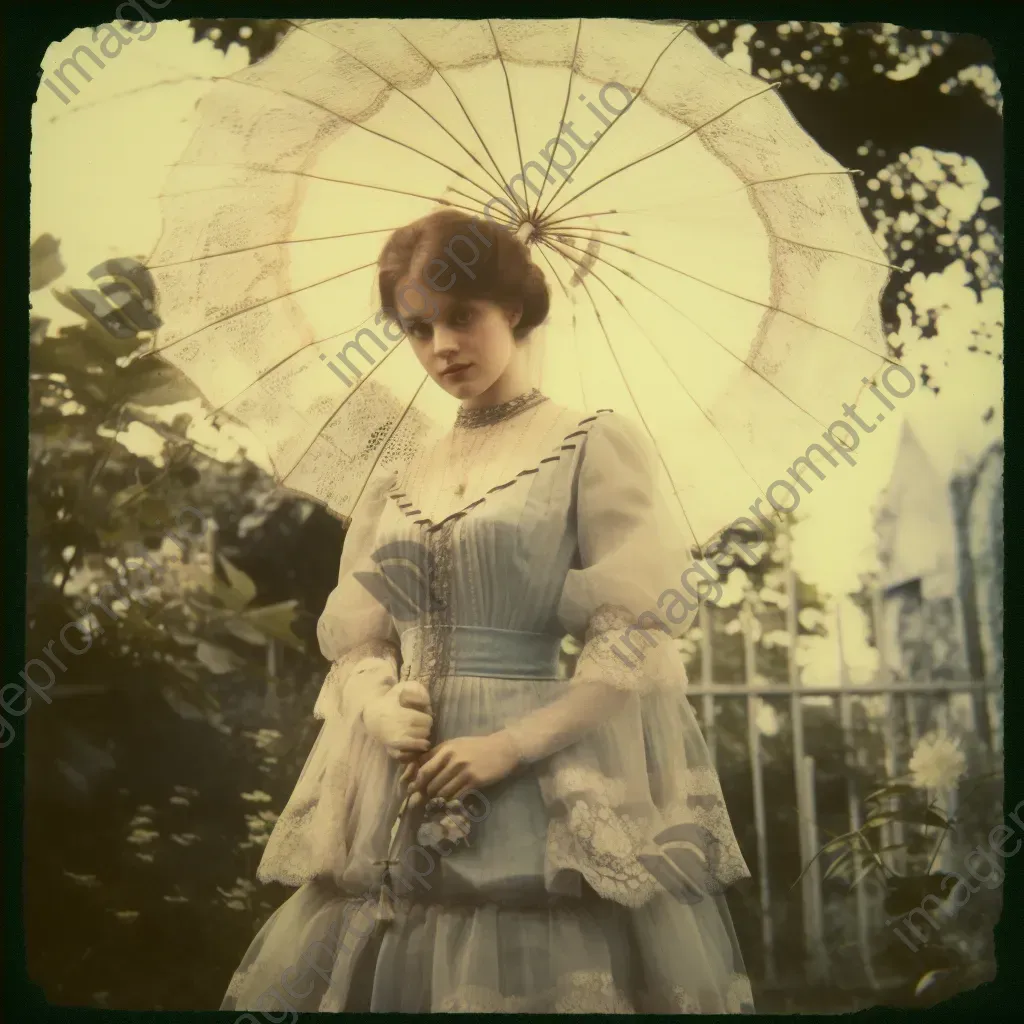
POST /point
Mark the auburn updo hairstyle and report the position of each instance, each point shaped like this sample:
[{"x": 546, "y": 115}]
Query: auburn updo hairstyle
[{"x": 464, "y": 256}]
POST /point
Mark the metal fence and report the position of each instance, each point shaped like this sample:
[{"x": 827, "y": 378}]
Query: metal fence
[{"x": 898, "y": 713}]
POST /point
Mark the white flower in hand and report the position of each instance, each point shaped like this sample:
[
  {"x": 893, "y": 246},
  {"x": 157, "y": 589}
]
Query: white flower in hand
[{"x": 937, "y": 762}]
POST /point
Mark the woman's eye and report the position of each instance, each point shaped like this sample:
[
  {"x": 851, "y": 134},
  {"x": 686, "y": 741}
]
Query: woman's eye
[
  {"x": 462, "y": 317},
  {"x": 420, "y": 330}
]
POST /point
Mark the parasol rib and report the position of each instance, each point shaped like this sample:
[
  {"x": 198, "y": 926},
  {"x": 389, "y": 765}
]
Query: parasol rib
[
  {"x": 703, "y": 330},
  {"x": 259, "y": 305},
  {"x": 341, "y": 405},
  {"x": 416, "y": 102},
  {"x": 357, "y": 124},
  {"x": 265, "y": 245},
  {"x": 636, "y": 404},
  {"x": 608, "y": 130},
  {"x": 744, "y": 298},
  {"x": 561, "y": 121},
  {"x": 383, "y": 447},
  {"x": 512, "y": 109},
  {"x": 575, "y": 337},
  {"x": 661, "y": 149},
  {"x": 291, "y": 355},
  {"x": 458, "y": 100},
  {"x": 699, "y": 199},
  {"x": 675, "y": 374}
]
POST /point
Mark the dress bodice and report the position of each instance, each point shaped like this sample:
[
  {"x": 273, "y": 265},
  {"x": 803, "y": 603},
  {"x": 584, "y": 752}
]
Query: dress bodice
[{"x": 501, "y": 557}]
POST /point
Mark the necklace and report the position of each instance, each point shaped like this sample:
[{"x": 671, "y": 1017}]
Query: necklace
[
  {"x": 472, "y": 443},
  {"x": 489, "y": 414},
  {"x": 465, "y": 460}
]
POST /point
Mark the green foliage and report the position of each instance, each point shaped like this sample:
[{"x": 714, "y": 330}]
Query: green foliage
[{"x": 99, "y": 511}]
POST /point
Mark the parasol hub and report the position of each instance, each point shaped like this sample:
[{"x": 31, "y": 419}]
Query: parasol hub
[{"x": 525, "y": 231}]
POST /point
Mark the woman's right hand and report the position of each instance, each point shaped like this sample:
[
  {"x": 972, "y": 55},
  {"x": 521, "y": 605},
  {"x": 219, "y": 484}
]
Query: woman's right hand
[{"x": 401, "y": 720}]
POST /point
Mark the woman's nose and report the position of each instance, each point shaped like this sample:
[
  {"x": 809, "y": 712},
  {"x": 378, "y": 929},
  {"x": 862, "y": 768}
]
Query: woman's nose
[{"x": 444, "y": 342}]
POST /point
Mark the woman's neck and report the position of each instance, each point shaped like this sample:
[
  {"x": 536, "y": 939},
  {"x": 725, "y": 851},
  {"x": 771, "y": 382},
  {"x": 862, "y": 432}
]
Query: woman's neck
[{"x": 504, "y": 389}]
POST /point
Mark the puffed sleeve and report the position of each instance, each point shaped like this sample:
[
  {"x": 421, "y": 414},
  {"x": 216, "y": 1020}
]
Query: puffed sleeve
[
  {"x": 634, "y": 590},
  {"x": 634, "y": 802},
  {"x": 356, "y": 632}
]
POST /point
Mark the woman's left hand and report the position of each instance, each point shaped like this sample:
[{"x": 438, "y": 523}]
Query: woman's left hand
[{"x": 456, "y": 766}]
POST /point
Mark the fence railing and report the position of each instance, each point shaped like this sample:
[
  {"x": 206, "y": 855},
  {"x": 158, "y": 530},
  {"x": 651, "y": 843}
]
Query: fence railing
[{"x": 893, "y": 712}]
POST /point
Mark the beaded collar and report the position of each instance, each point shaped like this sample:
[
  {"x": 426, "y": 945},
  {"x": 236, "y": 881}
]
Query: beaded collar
[{"x": 490, "y": 414}]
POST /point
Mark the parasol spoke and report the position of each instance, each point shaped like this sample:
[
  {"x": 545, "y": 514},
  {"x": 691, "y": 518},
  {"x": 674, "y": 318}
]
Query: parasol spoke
[
  {"x": 322, "y": 432},
  {"x": 113, "y": 97},
  {"x": 398, "y": 89},
  {"x": 572, "y": 305},
  {"x": 636, "y": 404},
  {"x": 300, "y": 174},
  {"x": 754, "y": 302},
  {"x": 515, "y": 123},
  {"x": 840, "y": 252},
  {"x": 678, "y": 203},
  {"x": 371, "y": 131},
  {"x": 561, "y": 121},
  {"x": 291, "y": 355},
  {"x": 458, "y": 99},
  {"x": 608, "y": 130},
  {"x": 259, "y": 305},
  {"x": 387, "y": 440},
  {"x": 661, "y": 355},
  {"x": 661, "y": 149},
  {"x": 585, "y": 233},
  {"x": 708, "y": 334},
  {"x": 267, "y": 245},
  {"x": 511, "y": 224}
]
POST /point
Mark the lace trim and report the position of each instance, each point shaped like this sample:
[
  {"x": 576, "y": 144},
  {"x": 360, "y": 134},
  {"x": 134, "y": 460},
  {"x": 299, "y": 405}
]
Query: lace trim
[
  {"x": 738, "y": 998},
  {"x": 471, "y": 419},
  {"x": 727, "y": 863},
  {"x": 615, "y": 851},
  {"x": 577, "y": 992},
  {"x": 603, "y": 847},
  {"x": 605, "y": 657},
  {"x": 330, "y": 700},
  {"x": 410, "y": 508}
]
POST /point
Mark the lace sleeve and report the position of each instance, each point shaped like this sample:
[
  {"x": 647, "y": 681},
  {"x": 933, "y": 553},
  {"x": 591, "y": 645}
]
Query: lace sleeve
[
  {"x": 625, "y": 540},
  {"x": 356, "y": 632}
]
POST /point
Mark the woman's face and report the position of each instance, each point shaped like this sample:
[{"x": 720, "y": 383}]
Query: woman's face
[{"x": 466, "y": 346}]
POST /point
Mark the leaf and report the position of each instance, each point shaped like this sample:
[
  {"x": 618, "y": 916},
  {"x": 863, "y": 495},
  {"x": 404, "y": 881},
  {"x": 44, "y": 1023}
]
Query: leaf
[
  {"x": 218, "y": 660},
  {"x": 245, "y": 631},
  {"x": 865, "y": 871},
  {"x": 892, "y": 789},
  {"x": 45, "y": 264},
  {"x": 933, "y": 978},
  {"x": 909, "y": 816},
  {"x": 275, "y": 620},
  {"x": 834, "y": 844},
  {"x": 838, "y": 864},
  {"x": 229, "y": 597},
  {"x": 161, "y": 385},
  {"x": 238, "y": 580}
]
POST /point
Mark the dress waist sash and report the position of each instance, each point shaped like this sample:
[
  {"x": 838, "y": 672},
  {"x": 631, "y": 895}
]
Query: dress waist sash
[{"x": 484, "y": 651}]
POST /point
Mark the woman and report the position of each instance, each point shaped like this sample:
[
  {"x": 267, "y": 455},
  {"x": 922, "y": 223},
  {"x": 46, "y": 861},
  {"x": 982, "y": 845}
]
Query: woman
[{"x": 564, "y": 844}]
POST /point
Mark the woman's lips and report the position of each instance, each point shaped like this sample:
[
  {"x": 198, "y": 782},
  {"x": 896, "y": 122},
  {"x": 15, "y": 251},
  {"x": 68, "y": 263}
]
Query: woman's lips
[{"x": 455, "y": 370}]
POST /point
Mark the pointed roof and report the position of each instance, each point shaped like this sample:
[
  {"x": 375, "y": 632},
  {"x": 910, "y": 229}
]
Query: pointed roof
[{"x": 914, "y": 521}]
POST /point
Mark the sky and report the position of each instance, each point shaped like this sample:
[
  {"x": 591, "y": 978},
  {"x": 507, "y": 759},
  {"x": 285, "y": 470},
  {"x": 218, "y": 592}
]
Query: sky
[{"x": 97, "y": 168}]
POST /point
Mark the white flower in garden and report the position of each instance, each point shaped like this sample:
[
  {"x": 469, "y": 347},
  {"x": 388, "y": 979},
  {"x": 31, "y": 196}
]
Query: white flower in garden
[{"x": 938, "y": 762}]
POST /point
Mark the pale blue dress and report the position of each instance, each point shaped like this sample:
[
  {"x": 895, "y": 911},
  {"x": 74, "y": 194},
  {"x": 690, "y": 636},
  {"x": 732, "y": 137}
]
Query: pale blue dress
[{"x": 592, "y": 879}]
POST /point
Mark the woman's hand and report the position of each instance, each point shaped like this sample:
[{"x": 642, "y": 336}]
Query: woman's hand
[
  {"x": 456, "y": 766},
  {"x": 401, "y": 720}
]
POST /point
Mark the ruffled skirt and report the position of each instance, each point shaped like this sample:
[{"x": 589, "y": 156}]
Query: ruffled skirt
[{"x": 552, "y": 905}]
